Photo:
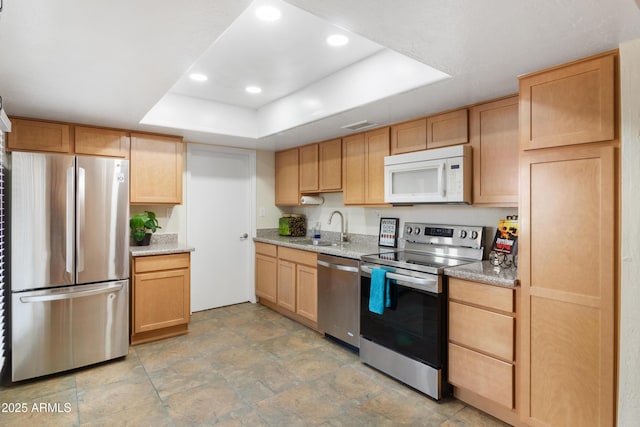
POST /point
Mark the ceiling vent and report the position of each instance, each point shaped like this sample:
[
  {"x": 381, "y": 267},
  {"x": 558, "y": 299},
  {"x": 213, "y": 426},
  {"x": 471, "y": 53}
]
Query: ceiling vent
[{"x": 359, "y": 125}]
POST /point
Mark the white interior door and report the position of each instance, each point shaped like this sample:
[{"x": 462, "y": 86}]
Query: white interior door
[{"x": 220, "y": 225}]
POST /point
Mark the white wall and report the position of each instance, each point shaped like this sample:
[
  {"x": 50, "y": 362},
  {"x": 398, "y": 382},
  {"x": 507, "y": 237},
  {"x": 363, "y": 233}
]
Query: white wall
[
  {"x": 172, "y": 219},
  {"x": 629, "y": 380},
  {"x": 267, "y": 213}
]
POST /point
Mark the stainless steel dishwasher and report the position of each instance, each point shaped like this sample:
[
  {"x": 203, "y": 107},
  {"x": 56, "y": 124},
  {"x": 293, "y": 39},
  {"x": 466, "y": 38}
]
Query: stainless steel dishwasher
[{"x": 339, "y": 298}]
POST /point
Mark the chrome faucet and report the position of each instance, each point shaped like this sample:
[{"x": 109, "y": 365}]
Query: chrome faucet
[{"x": 343, "y": 235}]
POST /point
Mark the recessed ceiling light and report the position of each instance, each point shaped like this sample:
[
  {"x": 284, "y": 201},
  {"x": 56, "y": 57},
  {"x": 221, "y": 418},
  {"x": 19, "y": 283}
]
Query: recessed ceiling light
[
  {"x": 337, "y": 40},
  {"x": 253, "y": 89},
  {"x": 198, "y": 77},
  {"x": 268, "y": 13}
]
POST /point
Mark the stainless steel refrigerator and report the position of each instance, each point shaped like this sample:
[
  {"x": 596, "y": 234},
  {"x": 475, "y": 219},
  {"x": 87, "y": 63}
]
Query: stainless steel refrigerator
[{"x": 69, "y": 262}]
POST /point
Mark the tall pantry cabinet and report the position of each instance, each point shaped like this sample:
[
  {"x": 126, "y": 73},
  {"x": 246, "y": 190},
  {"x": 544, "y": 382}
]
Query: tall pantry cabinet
[{"x": 569, "y": 235}]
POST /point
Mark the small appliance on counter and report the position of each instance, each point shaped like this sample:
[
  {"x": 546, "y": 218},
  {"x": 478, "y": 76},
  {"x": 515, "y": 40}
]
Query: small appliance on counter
[{"x": 293, "y": 225}]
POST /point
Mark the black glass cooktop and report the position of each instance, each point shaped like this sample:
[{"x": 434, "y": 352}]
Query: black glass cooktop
[{"x": 417, "y": 261}]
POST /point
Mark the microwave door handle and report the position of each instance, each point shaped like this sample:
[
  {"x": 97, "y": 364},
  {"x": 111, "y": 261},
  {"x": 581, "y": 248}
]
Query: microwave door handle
[{"x": 441, "y": 178}]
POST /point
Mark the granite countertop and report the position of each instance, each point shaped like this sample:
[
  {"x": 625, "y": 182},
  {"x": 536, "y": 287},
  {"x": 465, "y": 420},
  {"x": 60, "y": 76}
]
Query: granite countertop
[
  {"x": 161, "y": 244},
  {"x": 358, "y": 245},
  {"x": 483, "y": 271}
]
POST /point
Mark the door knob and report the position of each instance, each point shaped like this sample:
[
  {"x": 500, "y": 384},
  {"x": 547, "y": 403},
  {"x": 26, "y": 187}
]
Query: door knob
[{"x": 244, "y": 236}]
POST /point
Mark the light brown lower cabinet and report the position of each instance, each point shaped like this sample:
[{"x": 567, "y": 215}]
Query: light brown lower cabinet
[
  {"x": 160, "y": 297},
  {"x": 266, "y": 272},
  {"x": 482, "y": 358},
  {"x": 569, "y": 281},
  {"x": 287, "y": 282}
]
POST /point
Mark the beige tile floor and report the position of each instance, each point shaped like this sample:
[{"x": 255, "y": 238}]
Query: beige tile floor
[{"x": 242, "y": 365}]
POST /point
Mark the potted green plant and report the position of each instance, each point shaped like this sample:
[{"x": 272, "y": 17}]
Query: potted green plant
[{"x": 142, "y": 226}]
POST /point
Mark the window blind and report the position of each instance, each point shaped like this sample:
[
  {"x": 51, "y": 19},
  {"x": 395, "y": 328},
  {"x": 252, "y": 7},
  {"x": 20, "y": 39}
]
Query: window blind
[
  {"x": 3, "y": 323},
  {"x": 5, "y": 126}
]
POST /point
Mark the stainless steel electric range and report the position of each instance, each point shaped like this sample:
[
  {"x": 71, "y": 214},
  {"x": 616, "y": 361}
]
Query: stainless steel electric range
[{"x": 408, "y": 340}]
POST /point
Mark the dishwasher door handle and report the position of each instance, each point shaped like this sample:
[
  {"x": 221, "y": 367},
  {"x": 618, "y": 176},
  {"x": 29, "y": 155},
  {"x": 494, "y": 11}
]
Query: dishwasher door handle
[{"x": 340, "y": 267}]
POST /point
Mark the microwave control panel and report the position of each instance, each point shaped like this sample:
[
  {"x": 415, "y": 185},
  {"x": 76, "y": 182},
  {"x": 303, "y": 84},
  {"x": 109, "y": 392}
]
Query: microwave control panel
[{"x": 455, "y": 177}]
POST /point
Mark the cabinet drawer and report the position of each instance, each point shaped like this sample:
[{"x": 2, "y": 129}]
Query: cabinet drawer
[
  {"x": 298, "y": 256},
  {"x": 483, "y": 330},
  {"x": 266, "y": 249},
  {"x": 493, "y": 297},
  {"x": 161, "y": 262},
  {"x": 481, "y": 374}
]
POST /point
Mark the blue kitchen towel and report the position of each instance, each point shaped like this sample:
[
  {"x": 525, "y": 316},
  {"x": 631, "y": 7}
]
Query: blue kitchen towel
[{"x": 379, "y": 292}]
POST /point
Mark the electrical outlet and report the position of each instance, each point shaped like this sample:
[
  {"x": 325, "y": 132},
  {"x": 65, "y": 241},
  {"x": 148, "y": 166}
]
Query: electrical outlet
[
  {"x": 261, "y": 212},
  {"x": 378, "y": 214}
]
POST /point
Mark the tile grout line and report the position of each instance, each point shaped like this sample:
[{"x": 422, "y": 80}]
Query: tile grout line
[{"x": 75, "y": 388}]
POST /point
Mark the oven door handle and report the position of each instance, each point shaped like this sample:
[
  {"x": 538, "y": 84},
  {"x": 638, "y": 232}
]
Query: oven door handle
[{"x": 424, "y": 284}]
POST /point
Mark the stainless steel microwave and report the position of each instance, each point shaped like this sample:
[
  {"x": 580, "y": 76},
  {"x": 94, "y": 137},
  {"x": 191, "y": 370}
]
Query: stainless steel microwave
[{"x": 440, "y": 175}]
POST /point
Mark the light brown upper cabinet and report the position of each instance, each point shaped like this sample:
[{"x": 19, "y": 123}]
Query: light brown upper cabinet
[
  {"x": 308, "y": 168},
  {"x": 409, "y": 136},
  {"x": 287, "y": 178},
  {"x": 321, "y": 167},
  {"x": 353, "y": 158},
  {"x": 101, "y": 142},
  {"x": 156, "y": 170},
  {"x": 448, "y": 129},
  {"x": 494, "y": 138},
  {"x": 330, "y": 165},
  {"x": 36, "y": 135},
  {"x": 363, "y": 156},
  {"x": 571, "y": 104}
]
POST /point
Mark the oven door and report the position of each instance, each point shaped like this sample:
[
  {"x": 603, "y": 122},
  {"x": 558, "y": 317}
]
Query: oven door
[{"x": 413, "y": 325}]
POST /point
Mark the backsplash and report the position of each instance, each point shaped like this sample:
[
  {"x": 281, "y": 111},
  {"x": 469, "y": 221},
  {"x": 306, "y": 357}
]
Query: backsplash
[
  {"x": 164, "y": 238},
  {"x": 172, "y": 219},
  {"x": 366, "y": 220},
  {"x": 160, "y": 239}
]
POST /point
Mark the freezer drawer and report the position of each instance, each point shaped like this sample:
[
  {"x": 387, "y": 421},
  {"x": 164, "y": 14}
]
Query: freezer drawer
[{"x": 65, "y": 328}]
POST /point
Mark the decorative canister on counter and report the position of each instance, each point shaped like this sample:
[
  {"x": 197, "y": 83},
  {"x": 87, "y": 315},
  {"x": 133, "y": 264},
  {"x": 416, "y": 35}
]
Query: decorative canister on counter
[{"x": 293, "y": 225}]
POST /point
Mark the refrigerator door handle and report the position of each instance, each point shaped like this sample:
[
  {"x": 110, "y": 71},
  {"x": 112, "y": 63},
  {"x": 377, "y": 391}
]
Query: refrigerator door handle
[
  {"x": 81, "y": 219},
  {"x": 111, "y": 287},
  {"x": 69, "y": 221}
]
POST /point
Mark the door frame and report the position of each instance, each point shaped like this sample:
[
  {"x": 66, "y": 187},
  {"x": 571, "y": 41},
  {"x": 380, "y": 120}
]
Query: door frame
[{"x": 193, "y": 147}]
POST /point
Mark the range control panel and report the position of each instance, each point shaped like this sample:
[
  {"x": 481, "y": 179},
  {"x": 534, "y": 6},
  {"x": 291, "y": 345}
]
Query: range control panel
[{"x": 469, "y": 236}]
